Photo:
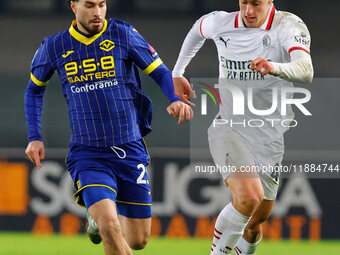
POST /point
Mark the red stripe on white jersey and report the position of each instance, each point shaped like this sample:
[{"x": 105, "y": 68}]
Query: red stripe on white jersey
[
  {"x": 298, "y": 48},
  {"x": 201, "y": 28},
  {"x": 236, "y": 20},
  {"x": 270, "y": 21}
]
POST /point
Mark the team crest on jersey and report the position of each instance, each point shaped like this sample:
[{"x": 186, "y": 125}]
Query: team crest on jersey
[
  {"x": 267, "y": 41},
  {"x": 107, "y": 45}
]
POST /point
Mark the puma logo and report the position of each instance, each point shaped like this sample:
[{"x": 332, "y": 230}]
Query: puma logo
[{"x": 225, "y": 42}]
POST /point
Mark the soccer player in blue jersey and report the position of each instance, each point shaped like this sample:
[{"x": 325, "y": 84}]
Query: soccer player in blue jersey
[{"x": 97, "y": 61}]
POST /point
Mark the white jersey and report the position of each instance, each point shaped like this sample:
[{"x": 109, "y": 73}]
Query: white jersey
[{"x": 237, "y": 47}]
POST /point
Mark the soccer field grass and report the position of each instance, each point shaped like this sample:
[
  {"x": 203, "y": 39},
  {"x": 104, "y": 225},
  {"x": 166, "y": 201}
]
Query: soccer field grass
[{"x": 27, "y": 244}]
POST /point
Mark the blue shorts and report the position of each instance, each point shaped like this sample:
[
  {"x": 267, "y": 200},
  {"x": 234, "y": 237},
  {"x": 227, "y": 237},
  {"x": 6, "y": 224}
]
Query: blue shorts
[{"x": 117, "y": 173}]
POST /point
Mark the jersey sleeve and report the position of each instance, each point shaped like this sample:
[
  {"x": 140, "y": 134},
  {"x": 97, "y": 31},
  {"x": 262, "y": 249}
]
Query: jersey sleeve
[
  {"x": 141, "y": 53},
  {"x": 205, "y": 26},
  {"x": 296, "y": 35},
  {"x": 147, "y": 59},
  {"x": 41, "y": 67},
  {"x": 41, "y": 72},
  {"x": 200, "y": 31}
]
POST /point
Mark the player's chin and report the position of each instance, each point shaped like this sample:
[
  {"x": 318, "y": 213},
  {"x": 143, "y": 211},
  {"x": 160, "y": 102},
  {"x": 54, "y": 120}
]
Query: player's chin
[
  {"x": 251, "y": 23},
  {"x": 95, "y": 28}
]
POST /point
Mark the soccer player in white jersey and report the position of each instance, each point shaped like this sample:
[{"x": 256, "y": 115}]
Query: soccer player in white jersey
[{"x": 262, "y": 48}]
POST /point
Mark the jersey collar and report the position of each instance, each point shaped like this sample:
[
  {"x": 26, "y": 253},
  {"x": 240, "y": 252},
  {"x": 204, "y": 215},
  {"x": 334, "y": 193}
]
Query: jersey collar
[
  {"x": 83, "y": 39},
  {"x": 265, "y": 26}
]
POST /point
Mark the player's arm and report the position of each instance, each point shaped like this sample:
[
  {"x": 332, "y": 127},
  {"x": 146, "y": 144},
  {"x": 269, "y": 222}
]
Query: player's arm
[
  {"x": 299, "y": 69},
  {"x": 296, "y": 42},
  {"x": 191, "y": 45},
  {"x": 162, "y": 75},
  {"x": 148, "y": 60},
  {"x": 41, "y": 72}
]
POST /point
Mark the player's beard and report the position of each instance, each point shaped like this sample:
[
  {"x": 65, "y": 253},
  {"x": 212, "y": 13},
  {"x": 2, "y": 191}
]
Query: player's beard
[{"x": 94, "y": 30}]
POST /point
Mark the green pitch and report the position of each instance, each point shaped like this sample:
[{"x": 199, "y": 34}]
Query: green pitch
[{"x": 27, "y": 244}]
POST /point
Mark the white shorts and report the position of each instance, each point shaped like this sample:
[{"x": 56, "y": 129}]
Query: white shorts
[{"x": 231, "y": 152}]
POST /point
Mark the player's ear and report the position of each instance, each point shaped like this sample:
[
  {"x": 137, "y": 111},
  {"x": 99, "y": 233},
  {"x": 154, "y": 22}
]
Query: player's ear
[{"x": 73, "y": 6}]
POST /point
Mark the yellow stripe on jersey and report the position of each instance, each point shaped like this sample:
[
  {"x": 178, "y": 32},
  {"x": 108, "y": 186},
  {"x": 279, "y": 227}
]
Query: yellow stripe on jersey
[
  {"x": 84, "y": 39},
  {"x": 131, "y": 203},
  {"x": 37, "y": 82},
  {"x": 153, "y": 66}
]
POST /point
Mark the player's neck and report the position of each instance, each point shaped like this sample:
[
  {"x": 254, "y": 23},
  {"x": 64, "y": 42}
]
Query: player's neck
[{"x": 81, "y": 32}]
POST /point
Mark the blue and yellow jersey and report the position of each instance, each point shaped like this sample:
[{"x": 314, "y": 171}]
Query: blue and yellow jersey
[{"x": 100, "y": 81}]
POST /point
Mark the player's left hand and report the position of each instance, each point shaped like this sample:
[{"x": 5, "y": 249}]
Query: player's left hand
[
  {"x": 180, "y": 110},
  {"x": 35, "y": 151},
  {"x": 262, "y": 66}
]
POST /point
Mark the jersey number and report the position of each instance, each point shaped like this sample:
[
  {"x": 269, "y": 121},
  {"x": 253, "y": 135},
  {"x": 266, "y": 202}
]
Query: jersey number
[
  {"x": 90, "y": 65},
  {"x": 141, "y": 176}
]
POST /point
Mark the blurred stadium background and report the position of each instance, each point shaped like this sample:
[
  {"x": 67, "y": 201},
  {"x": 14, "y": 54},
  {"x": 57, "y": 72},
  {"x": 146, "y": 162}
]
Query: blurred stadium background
[{"x": 185, "y": 205}]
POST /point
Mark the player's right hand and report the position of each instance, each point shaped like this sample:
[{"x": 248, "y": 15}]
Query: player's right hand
[
  {"x": 184, "y": 90},
  {"x": 262, "y": 66},
  {"x": 181, "y": 110},
  {"x": 35, "y": 151}
]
